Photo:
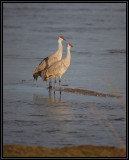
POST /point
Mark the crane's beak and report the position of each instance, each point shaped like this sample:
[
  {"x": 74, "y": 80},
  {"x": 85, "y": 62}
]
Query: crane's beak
[
  {"x": 71, "y": 46},
  {"x": 64, "y": 39}
]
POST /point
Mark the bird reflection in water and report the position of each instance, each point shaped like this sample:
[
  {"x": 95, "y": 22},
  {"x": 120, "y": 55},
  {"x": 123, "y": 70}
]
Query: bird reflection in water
[
  {"x": 53, "y": 99},
  {"x": 54, "y": 105},
  {"x": 61, "y": 110}
]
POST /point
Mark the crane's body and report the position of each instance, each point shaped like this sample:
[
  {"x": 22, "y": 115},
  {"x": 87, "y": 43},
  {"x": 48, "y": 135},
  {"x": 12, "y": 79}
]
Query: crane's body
[
  {"x": 59, "y": 68},
  {"x": 48, "y": 61}
]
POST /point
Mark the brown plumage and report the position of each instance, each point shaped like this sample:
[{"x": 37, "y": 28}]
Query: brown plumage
[
  {"x": 59, "y": 68},
  {"x": 48, "y": 61}
]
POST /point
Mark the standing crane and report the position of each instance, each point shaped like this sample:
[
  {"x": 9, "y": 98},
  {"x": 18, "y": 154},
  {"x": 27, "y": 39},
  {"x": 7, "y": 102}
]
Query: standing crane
[
  {"x": 48, "y": 61},
  {"x": 59, "y": 68}
]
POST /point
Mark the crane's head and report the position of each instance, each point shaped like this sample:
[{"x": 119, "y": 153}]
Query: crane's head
[
  {"x": 69, "y": 45},
  {"x": 61, "y": 38}
]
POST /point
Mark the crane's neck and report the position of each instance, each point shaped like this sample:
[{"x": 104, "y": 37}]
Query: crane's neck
[
  {"x": 60, "y": 50},
  {"x": 60, "y": 45},
  {"x": 68, "y": 57},
  {"x": 68, "y": 52}
]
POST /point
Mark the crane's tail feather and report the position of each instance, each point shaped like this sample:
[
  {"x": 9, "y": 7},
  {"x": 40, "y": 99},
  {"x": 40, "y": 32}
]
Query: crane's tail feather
[
  {"x": 36, "y": 73},
  {"x": 42, "y": 74}
]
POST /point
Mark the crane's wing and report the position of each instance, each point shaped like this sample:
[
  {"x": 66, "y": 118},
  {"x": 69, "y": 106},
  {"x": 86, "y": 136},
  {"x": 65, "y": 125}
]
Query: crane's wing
[{"x": 45, "y": 63}]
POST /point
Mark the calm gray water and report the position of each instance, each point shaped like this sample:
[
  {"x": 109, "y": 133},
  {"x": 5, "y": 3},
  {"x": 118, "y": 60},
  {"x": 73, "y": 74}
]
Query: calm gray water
[{"x": 32, "y": 115}]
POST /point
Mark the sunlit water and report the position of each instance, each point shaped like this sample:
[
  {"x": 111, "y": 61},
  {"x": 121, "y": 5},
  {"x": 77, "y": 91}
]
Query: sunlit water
[{"x": 32, "y": 115}]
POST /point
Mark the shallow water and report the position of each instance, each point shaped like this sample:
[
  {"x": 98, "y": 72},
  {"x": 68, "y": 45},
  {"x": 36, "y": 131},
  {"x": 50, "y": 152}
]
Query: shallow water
[{"x": 32, "y": 115}]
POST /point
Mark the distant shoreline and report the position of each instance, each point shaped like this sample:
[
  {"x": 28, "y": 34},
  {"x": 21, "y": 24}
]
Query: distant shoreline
[{"x": 72, "y": 151}]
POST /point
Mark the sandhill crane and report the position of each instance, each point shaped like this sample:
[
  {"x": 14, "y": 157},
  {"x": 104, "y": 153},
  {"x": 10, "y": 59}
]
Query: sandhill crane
[
  {"x": 48, "y": 61},
  {"x": 59, "y": 68}
]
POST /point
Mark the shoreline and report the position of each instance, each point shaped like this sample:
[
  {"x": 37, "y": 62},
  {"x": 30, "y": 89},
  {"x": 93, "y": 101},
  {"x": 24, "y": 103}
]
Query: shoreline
[{"x": 67, "y": 151}]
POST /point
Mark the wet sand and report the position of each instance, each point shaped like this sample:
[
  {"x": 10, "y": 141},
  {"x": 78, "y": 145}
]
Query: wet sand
[{"x": 87, "y": 92}]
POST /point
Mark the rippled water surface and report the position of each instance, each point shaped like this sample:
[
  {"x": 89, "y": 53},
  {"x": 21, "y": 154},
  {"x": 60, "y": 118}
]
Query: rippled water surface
[{"x": 32, "y": 115}]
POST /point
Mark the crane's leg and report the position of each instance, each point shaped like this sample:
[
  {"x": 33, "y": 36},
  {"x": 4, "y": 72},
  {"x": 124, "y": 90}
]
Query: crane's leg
[
  {"x": 55, "y": 86},
  {"x": 60, "y": 84},
  {"x": 60, "y": 97},
  {"x": 50, "y": 84}
]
